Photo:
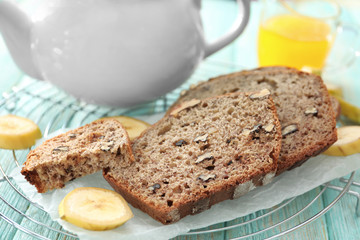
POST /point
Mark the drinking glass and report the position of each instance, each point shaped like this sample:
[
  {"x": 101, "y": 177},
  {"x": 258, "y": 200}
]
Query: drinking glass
[{"x": 300, "y": 33}]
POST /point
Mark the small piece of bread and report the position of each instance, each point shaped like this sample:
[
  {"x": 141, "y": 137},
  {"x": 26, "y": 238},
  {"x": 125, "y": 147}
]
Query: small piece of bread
[
  {"x": 302, "y": 101},
  {"x": 202, "y": 153},
  {"x": 82, "y": 151}
]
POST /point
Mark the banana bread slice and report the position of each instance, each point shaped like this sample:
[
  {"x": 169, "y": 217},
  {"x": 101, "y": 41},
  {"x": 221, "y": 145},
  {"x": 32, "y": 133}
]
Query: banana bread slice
[
  {"x": 202, "y": 153},
  {"x": 334, "y": 102},
  {"x": 303, "y": 106},
  {"x": 82, "y": 151}
]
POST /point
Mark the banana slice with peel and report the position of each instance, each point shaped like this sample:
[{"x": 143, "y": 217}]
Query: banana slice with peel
[
  {"x": 133, "y": 126},
  {"x": 17, "y": 132},
  {"x": 349, "y": 110},
  {"x": 348, "y": 142},
  {"x": 334, "y": 90},
  {"x": 94, "y": 209}
]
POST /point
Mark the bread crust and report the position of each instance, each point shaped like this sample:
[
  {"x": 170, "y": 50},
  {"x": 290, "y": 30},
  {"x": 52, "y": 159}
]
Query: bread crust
[
  {"x": 33, "y": 178},
  {"x": 191, "y": 207}
]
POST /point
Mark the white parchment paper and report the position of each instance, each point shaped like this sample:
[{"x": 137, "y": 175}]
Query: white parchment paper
[{"x": 314, "y": 172}]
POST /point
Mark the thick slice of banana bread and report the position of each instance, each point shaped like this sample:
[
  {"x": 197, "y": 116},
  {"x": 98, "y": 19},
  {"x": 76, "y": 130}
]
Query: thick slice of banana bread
[
  {"x": 200, "y": 154},
  {"x": 303, "y": 106},
  {"x": 85, "y": 150}
]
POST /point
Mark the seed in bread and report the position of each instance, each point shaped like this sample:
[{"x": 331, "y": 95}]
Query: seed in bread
[
  {"x": 79, "y": 152},
  {"x": 189, "y": 161}
]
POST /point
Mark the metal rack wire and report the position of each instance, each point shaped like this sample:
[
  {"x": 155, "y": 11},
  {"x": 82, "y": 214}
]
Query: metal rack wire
[{"x": 58, "y": 110}]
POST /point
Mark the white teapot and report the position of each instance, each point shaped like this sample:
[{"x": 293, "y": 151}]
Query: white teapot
[{"x": 112, "y": 52}]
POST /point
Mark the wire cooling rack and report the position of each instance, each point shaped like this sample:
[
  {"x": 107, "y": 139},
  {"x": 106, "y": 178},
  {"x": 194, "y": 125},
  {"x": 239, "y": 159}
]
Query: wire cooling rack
[{"x": 53, "y": 109}]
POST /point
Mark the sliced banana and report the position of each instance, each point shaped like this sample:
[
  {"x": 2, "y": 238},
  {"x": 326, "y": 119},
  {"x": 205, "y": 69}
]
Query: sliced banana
[
  {"x": 349, "y": 110},
  {"x": 133, "y": 126},
  {"x": 17, "y": 132},
  {"x": 94, "y": 209},
  {"x": 348, "y": 142},
  {"x": 334, "y": 90},
  {"x": 312, "y": 70}
]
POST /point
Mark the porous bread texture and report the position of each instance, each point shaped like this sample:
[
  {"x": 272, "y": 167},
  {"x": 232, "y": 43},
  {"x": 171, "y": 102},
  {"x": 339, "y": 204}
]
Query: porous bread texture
[
  {"x": 206, "y": 152},
  {"x": 76, "y": 153},
  {"x": 295, "y": 94}
]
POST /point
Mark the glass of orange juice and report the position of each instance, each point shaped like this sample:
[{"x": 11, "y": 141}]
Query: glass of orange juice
[{"x": 297, "y": 33}]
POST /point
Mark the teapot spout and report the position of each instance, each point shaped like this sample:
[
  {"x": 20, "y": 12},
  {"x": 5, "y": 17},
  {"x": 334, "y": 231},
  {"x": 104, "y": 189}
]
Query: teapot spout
[
  {"x": 197, "y": 3},
  {"x": 15, "y": 27}
]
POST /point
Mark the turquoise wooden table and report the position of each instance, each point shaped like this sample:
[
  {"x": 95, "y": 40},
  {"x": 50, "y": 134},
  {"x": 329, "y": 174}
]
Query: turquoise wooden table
[{"x": 299, "y": 218}]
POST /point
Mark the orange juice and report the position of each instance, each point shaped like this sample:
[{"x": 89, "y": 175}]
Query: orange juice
[{"x": 294, "y": 41}]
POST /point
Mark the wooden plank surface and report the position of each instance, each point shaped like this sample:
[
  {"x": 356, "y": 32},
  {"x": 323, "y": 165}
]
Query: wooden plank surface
[{"x": 339, "y": 223}]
